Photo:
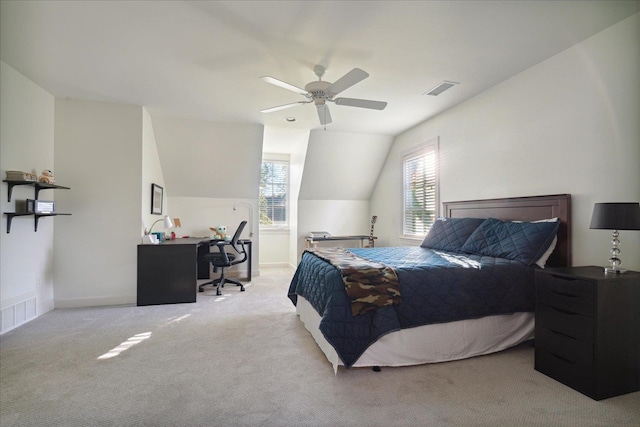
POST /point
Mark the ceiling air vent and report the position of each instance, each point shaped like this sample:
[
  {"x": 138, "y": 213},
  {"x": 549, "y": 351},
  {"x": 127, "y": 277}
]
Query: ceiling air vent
[{"x": 441, "y": 88}]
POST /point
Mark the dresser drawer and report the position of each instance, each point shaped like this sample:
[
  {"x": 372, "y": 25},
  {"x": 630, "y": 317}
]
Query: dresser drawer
[
  {"x": 573, "y": 295},
  {"x": 571, "y": 324},
  {"x": 567, "y": 372},
  {"x": 570, "y": 349}
]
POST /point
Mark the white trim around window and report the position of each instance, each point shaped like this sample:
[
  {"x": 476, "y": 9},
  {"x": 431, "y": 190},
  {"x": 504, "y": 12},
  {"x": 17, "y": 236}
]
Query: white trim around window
[
  {"x": 420, "y": 189},
  {"x": 274, "y": 193}
]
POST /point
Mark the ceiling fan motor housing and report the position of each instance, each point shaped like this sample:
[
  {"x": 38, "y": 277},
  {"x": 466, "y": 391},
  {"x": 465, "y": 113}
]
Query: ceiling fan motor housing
[{"x": 318, "y": 90}]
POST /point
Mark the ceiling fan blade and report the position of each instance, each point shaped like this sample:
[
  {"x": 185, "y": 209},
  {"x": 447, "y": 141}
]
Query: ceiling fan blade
[
  {"x": 323, "y": 114},
  {"x": 284, "y": 85},
  {"x": 362, "y": 103},
  {"x": 352, "y": 77},
  {"x": 283, "y": 107}
]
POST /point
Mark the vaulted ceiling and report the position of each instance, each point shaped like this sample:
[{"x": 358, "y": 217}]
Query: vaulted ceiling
[{"x": 203, "y": 59}]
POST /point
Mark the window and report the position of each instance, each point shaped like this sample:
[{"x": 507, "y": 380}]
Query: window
[
  {"x": 420, "y": 190},
  {"x": 274, "y": 193}
]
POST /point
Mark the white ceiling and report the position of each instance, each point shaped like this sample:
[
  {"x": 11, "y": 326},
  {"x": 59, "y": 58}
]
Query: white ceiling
[{"x": 203, "y": 59}]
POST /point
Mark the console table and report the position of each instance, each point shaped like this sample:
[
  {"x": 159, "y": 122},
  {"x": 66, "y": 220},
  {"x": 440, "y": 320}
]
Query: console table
[{"x": 312, "y": 241}]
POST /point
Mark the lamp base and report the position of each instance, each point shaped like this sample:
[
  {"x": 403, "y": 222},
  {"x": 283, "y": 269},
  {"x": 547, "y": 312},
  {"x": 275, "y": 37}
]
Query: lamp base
[
  {"x": 149, "y": 239},
  {"x": 611, "y": 270}
]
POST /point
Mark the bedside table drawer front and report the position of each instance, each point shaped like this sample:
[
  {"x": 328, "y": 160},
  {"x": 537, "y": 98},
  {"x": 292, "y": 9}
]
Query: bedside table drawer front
[
  {"x": 573, "y": 325},
  {"x": 575, "y": 376},
  {"x": 570, "y": 349},
  {"x": 572, "y": 295}
]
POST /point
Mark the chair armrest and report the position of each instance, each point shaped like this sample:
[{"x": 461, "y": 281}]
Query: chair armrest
[
  {"x": 221, "y": 244},
  {"x": 243, "y": 252}
]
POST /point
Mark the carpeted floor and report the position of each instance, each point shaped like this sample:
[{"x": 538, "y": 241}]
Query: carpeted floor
[{"x": 244, "y": 359}]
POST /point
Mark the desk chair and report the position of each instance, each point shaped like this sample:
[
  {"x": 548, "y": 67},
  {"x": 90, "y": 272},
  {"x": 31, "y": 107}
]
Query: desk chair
[{"x": 224, "y": 260}]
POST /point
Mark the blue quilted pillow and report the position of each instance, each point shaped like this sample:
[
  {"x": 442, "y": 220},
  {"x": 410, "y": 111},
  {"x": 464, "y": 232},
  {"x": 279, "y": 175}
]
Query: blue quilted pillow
[
  {"x": 449, "y": 234},
  {"x": 520, "y": 241}
]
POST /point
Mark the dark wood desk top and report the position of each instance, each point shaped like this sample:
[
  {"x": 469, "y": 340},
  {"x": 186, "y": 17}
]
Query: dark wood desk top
[
  {"x": 194, "y": 241},
  {"x": 181, "y": 241}
]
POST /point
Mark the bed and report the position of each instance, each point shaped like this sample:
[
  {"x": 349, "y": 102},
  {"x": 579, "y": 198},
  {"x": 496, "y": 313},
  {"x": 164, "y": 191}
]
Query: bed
[{"x": 468, "y": 293}]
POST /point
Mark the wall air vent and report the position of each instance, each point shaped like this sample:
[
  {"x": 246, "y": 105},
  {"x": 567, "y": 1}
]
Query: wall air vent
[{"x": 441, "y": 88}]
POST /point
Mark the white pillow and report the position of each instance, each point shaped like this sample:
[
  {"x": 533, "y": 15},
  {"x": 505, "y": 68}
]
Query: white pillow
[{"x": 545, "y": 256}]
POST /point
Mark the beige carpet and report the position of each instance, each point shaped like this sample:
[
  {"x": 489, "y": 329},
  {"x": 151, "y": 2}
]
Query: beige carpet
[{"x": 244, "y": 359}]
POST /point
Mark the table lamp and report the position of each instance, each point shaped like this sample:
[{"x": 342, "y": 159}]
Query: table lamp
[
  {"x": 150, "y": 238},
  {"x": 615, "y": 216},
  {"x": 167, "y": 223}
]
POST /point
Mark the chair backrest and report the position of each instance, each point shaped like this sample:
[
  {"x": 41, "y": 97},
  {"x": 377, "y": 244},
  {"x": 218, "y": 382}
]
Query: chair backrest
[{"x": 236, "y": 236}]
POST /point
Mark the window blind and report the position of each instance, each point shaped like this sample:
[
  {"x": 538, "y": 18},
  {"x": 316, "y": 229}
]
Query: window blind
[
  {"x": 274, "y": 188},
  {"x": 420, "y": 191}
]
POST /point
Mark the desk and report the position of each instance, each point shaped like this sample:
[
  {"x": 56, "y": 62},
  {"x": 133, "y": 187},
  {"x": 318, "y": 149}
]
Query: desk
[
  {"x": 168, "y": 272},
  {"x": 311, "y": 241}
]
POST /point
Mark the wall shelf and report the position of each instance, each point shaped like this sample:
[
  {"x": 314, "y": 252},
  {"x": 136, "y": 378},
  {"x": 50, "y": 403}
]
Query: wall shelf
[
  {"x": 37, "y": 186},
  {"x": 11, "y": 215}
]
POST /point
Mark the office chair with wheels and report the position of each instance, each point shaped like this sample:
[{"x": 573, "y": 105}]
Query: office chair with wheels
[{"x": 222, "y": 259}]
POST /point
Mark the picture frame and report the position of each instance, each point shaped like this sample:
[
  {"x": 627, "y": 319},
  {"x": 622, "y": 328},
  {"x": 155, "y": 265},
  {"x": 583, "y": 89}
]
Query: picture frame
[{"x": 157, "y": 192}]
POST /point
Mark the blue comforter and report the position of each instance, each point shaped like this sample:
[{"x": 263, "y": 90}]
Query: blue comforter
[{"x": 436, "y": 287}]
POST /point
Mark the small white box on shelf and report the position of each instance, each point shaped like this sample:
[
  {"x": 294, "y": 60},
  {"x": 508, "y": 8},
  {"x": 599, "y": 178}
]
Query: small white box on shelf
[{"x": 319, "y": 234}]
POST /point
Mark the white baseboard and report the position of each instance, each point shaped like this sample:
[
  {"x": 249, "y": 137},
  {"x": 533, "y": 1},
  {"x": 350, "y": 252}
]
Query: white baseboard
[
  {"x": 275, "y": 265},
  {"x": 45, "y": 306},
  {"x": 95, "y": 302}
]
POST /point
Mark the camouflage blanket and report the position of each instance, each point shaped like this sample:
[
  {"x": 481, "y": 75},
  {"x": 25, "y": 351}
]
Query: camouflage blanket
[{"x": 369, "y": 285}]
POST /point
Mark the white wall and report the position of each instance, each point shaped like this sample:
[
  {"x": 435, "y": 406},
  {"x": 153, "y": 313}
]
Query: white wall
[
  {"x": 342, "y": 166},
  {"x": 274, "y": 247},
  {"x": 26, "y": 144},
  {"x": 151, "y": 174},
  {"x": 568, "y": 125},
  {"x": 296, "y": 173},
  {"x": 209, "y": 159},
  {"x": 98, "y": 152}
]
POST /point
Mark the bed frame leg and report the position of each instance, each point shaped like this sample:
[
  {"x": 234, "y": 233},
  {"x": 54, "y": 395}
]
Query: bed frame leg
[{"x": 376, "y": 369}]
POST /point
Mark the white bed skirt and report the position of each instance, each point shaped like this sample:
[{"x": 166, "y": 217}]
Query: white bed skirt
[{"x": 431, "y": 343}]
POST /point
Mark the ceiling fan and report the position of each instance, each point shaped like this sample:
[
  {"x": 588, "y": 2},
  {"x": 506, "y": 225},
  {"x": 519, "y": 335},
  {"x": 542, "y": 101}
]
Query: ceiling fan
[{"x": 320, "y": 92}]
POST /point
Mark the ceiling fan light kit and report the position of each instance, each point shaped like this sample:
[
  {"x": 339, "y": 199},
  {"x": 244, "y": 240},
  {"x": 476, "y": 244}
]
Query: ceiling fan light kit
[{"x": 319, "y": 92}]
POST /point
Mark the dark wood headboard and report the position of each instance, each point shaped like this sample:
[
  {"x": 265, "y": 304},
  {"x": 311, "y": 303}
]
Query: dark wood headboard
[{"x": 523, "y": 209}]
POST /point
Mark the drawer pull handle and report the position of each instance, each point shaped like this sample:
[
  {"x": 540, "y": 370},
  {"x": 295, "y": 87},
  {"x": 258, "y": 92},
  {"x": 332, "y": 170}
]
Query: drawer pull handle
[
  {"x": 568, "y": 279},
  {"x": 563, "y": 311},
  {"x": 562, "y": 335},
  {"x": 564, "y": 294},
  {"x": 564, "y": 359}
]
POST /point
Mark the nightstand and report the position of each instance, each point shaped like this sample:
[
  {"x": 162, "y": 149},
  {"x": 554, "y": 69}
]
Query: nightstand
[{"x": 588, "y": 329}]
